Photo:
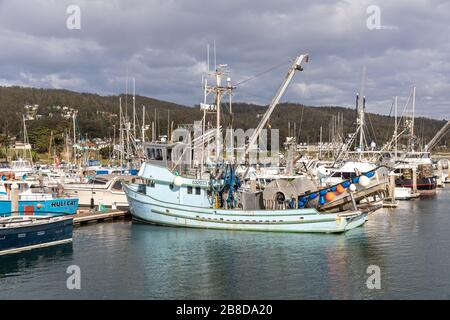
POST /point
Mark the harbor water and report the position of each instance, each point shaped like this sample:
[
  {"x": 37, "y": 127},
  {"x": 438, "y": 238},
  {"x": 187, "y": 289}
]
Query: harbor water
[{"x": 125, "y": 260}]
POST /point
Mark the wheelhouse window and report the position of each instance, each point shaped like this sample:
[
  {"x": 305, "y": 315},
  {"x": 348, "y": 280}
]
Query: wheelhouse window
[
  {"x": 336, "y": 174},
  {"x": 348, "y": 175},
  {"x": 198, "y": 190},
  {"x": 189, "y": 190},
  {"x": 159, "y": 154},
  {"x": 117, "y": 185},
  {"x": 151, "y": 153}
]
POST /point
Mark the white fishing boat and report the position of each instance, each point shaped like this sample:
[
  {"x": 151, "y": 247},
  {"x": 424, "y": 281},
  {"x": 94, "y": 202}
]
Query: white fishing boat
[
  {"x": 213, "y": 197},
  {"x": 171, "y": 200},
  {"x": 334, "y": 174}
]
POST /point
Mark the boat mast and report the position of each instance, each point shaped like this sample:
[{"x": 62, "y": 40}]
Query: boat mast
[
  {"x": 396, "y": 128},
  {"x": 134, "y": 108},
  {"x": 24, "y": 138},
  {"x": 412, "y": 117},
  {"x": 121, "y": 133},
  {"x": 218, "y": 96},
  {"x": 143, "y": 125},
  {"x": 361, "y": 106}
]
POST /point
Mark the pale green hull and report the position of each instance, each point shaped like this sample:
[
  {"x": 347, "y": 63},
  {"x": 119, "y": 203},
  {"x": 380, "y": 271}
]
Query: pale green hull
[{"x": 144, "y": 207}]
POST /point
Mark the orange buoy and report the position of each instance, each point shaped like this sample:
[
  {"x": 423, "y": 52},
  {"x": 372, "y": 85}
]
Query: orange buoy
[
  {"x": 39, "y": 205},
  {"x": 340, "y": 188},
  {"x": 330, "y": 196}
]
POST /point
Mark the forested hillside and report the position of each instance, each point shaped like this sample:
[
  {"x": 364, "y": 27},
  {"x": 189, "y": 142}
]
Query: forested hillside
[{"x": 97, "y": 117}]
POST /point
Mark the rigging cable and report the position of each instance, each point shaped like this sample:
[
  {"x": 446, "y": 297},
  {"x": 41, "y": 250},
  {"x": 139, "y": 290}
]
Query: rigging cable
[{"x": 261, "y": 73}]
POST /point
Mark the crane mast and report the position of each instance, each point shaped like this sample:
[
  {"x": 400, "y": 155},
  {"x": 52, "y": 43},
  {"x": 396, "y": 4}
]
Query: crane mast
[
  {"x": 296, "y": 66},
  {"x": 433, "y": 142}
]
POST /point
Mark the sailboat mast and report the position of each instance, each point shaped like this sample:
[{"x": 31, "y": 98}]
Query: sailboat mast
[
  {"x": 168, "y": 125},
  {"x": 121, "y": 132},
  {"x": 412, "y": 118},
  {"x": 134, "y": 108},
  {"x": 361, "y": 106},
  {"x": 218, "y": 82},
  {"x": 396, "y": 128},
  {"x": 143, "y": 124}
]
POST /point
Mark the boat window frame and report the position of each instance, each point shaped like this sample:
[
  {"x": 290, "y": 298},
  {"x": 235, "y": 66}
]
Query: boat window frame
[{"x": 150, "y": 183}]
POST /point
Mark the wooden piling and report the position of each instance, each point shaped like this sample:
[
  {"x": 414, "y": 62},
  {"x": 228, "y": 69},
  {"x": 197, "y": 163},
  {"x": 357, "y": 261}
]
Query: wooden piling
[
  {"x": 391, "y": 202},
  {"x": 414, "y": 179},
  {"x": 14, "y": 199},
  {"x": 392, "y": 187}
]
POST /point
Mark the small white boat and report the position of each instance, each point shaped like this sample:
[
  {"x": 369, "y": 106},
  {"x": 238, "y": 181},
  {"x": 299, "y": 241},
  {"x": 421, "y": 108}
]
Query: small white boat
[
  {"x": 102, "y": 189},
  {"x": 21, "y": 167},
  {"x": 329, "y": 175},
  {"x": 404, "y": 193}
]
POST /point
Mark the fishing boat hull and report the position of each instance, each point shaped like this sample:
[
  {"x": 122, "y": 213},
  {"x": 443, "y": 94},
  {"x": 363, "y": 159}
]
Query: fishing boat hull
[
  {"x": 425, "y": 186},
  {"x": 28, "y": 234},
  {"x": 146, "y": 208}
]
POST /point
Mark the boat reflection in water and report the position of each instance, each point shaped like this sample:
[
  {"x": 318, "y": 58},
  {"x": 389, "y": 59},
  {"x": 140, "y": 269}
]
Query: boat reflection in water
[
  {"x": 253, "y": 265},
  {"x": 26, "y": 262}
]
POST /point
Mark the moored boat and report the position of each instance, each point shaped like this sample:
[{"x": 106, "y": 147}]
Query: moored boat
[
  {"x": 405, "y": 193},
  {"x": 19, "y": 233},
  {"x": 35, "y": 202},
  {"x": 171, "y": 200},
  {"x": 102, "y": 189}
]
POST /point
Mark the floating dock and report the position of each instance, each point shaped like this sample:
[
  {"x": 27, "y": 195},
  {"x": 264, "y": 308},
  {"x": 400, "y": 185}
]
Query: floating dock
[{"x": 90, "y": 216}]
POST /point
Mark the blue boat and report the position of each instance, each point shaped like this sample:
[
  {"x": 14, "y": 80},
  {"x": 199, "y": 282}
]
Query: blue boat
[
  {"x": 32, "y": 203},
  {"x": 20, "y": 233}
]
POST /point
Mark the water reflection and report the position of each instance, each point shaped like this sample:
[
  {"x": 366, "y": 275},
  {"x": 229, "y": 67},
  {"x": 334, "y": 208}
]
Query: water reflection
[
  {"x": 21, "y": 263},
  {"x": 130, "y": 260},
  {"x": 223, "y": 264}
]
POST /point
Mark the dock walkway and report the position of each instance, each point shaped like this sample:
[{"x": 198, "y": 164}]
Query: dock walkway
[{"x": 88, "y": 216}]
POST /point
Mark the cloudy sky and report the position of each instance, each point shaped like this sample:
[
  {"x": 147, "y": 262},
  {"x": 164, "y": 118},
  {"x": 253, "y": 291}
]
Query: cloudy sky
[{"x": 162, "y": 43}]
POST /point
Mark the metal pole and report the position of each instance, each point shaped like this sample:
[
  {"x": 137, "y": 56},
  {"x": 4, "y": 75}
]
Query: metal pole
[
  {"x": 134, "y": 108},
  {"x": 395, "y": 130},
  {"x": 143, "y": 124}
]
